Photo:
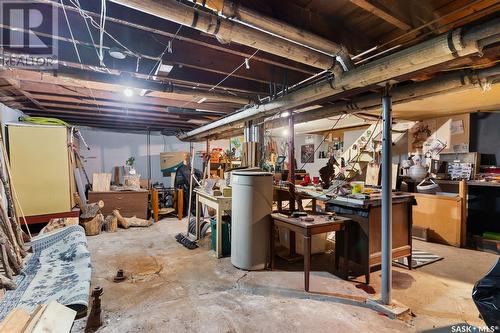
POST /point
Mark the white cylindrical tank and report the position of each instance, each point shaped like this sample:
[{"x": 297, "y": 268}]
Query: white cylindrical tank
[{"x": 250, "y": 225}]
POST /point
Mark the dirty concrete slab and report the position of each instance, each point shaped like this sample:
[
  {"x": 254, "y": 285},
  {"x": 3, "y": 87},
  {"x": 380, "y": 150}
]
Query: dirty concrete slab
[{"x": 172, "y": 289}]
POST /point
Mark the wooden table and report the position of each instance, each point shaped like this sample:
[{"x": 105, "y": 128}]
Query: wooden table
[
  {"x": 220, "y": 204},
  {"x": 321, "y": 224},
  {"x": 365, "y": 230}
]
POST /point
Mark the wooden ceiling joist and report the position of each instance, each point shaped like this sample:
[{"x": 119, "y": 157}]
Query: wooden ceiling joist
[
  {"x": 76, "y": 115},
  {"x": 382, "y": 12},
  {"x": 92, "y": 93}
]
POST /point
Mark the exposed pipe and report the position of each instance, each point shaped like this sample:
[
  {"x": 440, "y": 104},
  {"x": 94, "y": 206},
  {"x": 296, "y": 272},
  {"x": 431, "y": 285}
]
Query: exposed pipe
[
  {"x": 234, "y": 10},
  {"x": 229, "y": 31},
  {"x": 440, "y": 49},
  {"x": 439, "y": 85}
]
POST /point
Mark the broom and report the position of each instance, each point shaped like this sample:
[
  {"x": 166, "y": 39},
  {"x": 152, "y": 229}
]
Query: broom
[{"x": 180, "y": 237}]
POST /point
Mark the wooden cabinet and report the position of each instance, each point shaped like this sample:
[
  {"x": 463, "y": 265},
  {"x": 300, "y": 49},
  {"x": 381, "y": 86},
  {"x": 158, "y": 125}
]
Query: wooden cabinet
[
  {"x": 129, "y": 203},
  {"x": 365, "y": 232},
  {"x": 42, "y": 171},
  {"x": 442, "y": 215}
]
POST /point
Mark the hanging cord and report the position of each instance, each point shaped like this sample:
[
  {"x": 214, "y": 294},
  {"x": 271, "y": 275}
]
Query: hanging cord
[
  {"x": 71, "y": 33},
  {"x": 168, "y": 48},
  {"x": 102, "y": 26}
]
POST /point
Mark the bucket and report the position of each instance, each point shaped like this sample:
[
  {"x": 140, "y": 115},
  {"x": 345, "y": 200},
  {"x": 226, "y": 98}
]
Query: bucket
[{"x": 226, "y": 236}]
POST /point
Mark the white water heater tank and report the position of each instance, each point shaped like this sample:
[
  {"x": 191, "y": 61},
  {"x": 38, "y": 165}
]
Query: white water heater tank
[{"x": 250, "y": 218}]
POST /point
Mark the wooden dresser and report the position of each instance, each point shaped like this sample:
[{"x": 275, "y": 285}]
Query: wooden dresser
[{"x": 129, "y": 203}]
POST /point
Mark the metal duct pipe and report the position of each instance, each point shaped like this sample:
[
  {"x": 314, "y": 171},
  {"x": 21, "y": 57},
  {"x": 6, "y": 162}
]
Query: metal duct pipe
[
  {"x": 432, "y": 87},
  {"x": 229, "y": 31},
  {"x": 435, "y": 51},
  {"x": 232, "y": 9}
]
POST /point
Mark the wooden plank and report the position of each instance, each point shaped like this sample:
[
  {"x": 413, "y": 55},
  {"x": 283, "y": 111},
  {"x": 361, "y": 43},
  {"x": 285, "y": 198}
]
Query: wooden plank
[
  {"x": 101, "y": 182},
  {"x": 383, "y": 13},
  {"x": 15, "y": 321},
  {"x": 35, "y": 316},
  {"x": 56, "y": 318},
  {"x": 372, "y": 174}
]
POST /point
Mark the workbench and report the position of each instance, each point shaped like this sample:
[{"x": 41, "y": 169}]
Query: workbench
[
  {"x": 321, "y": 224},
  {"x": 220, "y": 204},
  {"x": 364, "y": 241}
]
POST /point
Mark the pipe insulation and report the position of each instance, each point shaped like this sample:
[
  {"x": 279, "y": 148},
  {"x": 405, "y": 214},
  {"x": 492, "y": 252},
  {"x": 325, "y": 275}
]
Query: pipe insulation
[
  {"x": 441, "y": 84},
  {"x": 230, "y": 31},
  {"x": 451, "y": 45},
  {"x": 255, "y": 19}
]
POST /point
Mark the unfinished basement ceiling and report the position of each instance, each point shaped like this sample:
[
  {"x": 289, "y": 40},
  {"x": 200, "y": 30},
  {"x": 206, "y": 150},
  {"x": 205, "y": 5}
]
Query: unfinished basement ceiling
[
  {"x": 471, "y": 100},
  {"x": 202, "y": 79}
]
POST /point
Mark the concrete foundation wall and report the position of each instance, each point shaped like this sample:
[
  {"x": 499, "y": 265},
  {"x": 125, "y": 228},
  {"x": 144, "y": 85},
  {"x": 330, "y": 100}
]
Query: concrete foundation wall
[{"x": 112, "y": 148}]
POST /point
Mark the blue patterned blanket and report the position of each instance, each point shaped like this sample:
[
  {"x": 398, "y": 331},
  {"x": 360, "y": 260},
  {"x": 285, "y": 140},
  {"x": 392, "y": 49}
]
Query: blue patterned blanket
[{"x": 59, "y": 269}]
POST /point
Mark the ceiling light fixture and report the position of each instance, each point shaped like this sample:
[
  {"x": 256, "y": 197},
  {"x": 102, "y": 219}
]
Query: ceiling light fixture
[
  {"x": 202, "y": 100},
  {"x": 247, "y": 63},
  {"x": 116, "y": 53},
  {"x": 128, "y": 92}
]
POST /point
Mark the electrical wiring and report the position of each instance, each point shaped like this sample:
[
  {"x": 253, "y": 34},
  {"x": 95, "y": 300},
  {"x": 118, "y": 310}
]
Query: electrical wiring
[
  {"x": 102, "y": 25},
  {"x": 224, "y": 79},
  {"x": 77, "y": 52},
  {"x": 71, "y": 33},
  {"x": 168, "y": 47},
  {"x": 88, "y": 28},
  {"x": 98, "y": 26}
]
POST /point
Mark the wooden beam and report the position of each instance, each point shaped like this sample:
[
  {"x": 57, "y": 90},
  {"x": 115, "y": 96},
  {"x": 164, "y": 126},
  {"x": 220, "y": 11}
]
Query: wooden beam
[
  {"x": 28, "y": 96},
  {"x": 116, "y": 83},
  {"x": 159, "y": 111},
  {"x": 186, "y": 74},
  {"x": 383, "y": 13},
  {"x": 75, "y": 115},
  {"x": 74, "y": 109},
  {"x": 91, "y": 93}
]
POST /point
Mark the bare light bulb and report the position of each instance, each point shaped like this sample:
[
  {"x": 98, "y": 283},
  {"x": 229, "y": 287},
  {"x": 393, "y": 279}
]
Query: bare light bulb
[{"x": 128, "y": 92}]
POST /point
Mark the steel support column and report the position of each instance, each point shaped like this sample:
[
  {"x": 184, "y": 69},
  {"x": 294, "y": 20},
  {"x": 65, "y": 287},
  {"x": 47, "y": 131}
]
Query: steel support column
[
  {"x": 386, "y": 200},
  {"x": 291, "y": 161}
]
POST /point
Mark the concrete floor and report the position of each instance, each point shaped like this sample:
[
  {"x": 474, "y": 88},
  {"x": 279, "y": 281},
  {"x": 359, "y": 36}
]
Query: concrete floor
[{"x": 172, "y": 289}]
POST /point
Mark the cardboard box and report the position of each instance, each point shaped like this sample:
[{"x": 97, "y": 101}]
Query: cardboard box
[{"x": 170, "y": 161}]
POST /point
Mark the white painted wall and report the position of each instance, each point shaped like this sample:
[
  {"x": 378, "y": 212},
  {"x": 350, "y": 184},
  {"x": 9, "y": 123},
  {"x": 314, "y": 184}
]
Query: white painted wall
[
  {"x": 8, "y": 115},
  {"x": 112, "y": 148},
  {"x": 311, "y": 168}
]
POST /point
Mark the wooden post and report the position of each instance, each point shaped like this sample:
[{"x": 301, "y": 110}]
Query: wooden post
[{"x": 154, "y": 204}]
